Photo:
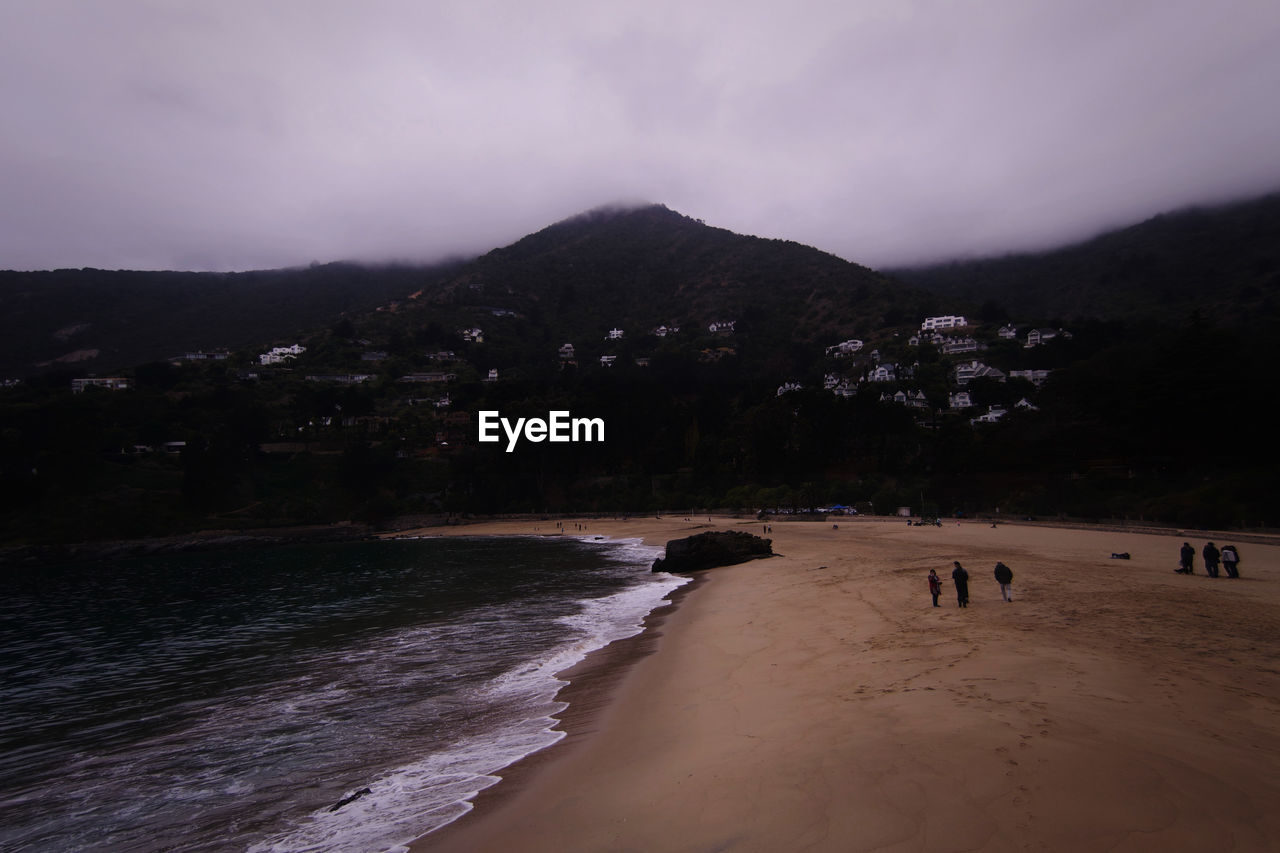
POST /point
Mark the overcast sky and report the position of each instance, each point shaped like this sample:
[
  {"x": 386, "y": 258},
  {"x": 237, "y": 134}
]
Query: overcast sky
[{"x": 246, "y": 134}]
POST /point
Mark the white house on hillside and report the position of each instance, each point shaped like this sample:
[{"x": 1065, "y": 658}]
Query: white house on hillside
[
  {"x": 280, "y": 354},
  {"x": 994, "y": 413},
  {"x": 959, "y": 345},
  {"x": 948, "y": 321},
  {"x": 844, "y": 348},
  {"x": 1036, "y": 337},
  {"x": 841, "y": 386},
  {"x": 883, "y": 373},
  {"x": 911, "y": 399},
  {"x": 966, "y": 373}
]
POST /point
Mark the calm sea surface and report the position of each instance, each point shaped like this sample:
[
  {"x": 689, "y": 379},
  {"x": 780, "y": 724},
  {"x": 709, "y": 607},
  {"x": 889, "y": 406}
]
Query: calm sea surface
[{"x": 230, "y": 700}]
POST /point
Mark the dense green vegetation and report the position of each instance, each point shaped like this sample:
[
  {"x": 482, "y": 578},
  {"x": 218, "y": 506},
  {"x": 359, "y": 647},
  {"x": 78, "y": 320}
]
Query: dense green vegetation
[
  {"x": 1220, "y": 263},
  {"x": 98, "y": 321},
  {"x": 1142, "y": 416}
]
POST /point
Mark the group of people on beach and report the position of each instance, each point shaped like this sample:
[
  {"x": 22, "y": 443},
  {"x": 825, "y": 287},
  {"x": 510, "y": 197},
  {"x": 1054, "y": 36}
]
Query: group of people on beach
[
  {"x": 960, "y": 575},
  {"x": 1228, "y": 557}
]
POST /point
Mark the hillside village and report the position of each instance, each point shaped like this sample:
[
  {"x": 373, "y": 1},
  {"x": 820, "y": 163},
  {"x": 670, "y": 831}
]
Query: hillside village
[{"x": 892, "y": 371}]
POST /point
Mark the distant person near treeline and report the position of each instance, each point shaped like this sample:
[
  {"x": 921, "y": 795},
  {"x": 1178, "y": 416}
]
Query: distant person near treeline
[
  {"x": 1186, "y": 559},
  {"x": 961, "y": 577},
  {"x": 1211, "y": 558},
  {"x": 1004, "y": 577},
  {"x": 1231, "y": 561}
]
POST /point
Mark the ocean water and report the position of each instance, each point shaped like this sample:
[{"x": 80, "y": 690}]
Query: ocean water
[{"x": 231, "y": 700}]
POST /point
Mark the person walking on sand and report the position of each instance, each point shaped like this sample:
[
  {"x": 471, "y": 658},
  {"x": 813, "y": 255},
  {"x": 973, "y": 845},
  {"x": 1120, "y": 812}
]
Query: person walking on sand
[
  {"x": 935, "y": 586},
  {"x": 1211, "y": 555},
  {"x": 1231, "y": 561},
  {"x": 1188, "y": 556},
  {"x": 961, "y": 577},
  {"x": 1004, "y": 577}
]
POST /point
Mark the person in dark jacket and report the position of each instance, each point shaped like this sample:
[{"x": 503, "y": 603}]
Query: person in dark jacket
[
  {"x": 935, "y": 586},
  {"x": 1188, "y": 555},
  {"x": 1004, "y": 577},
  {"x": 1211, "y": 555},
  {"x": 961, "y": 577},
  {"x": 1231, "y": 561}
]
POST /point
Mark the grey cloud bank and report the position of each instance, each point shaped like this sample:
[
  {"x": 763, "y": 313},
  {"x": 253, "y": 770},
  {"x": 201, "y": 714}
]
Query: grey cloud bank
[{"x": 148, "y": 134}]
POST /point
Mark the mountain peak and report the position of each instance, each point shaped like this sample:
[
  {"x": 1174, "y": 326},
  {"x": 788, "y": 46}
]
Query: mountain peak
[
  {"x": 620, "y": 212},
  {"x": 648, "y": 265}
]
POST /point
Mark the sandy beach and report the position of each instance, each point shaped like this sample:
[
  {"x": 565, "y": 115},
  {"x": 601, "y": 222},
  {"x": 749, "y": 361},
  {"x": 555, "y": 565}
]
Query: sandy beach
[{"x": 817, "y": 701}]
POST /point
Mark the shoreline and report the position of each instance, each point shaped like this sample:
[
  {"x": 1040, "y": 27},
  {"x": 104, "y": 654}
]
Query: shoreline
[
  {"x": 817, "y": 701},
  {"x": 35, "y": 555},
  {"x": 591, "y": 685}
]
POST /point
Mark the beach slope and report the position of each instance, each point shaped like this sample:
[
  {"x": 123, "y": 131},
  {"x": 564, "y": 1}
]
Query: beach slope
[{"x": 817, "y": 701}]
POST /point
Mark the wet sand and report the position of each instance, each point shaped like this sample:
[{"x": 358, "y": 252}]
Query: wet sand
[{"x": 816, "y": 701}]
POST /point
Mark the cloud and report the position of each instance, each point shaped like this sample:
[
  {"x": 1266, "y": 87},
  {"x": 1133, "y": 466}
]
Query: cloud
[{"x": 239, "y": 135}]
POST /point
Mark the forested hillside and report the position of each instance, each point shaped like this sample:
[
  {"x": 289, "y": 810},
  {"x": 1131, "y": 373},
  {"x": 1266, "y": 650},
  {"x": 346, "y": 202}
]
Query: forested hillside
[
  {"x": 729, "y": 371},
  {"x": 1218, "y": 263},
  {"x": 98, "y": 321}
]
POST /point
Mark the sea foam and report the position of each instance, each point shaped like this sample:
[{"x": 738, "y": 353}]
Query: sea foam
[{"x": 520, "y": 704}]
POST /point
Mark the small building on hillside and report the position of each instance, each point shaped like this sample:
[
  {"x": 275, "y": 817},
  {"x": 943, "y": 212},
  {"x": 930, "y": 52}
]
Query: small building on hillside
[
  {"x": 994, "y": 413},
  {"x": 844, "y": 348},
  {"x": 966, "y": 373},
  {"x": 432, "y": 376},
  {"x": 111, "y": 383},
  {"x": 948, "y": 321},
  {"x": 883, "y": 373},
  {"x": 954, "y": 346},
  {"x": 279, "y": 355},
  {"x": 1036, "y": 337}
]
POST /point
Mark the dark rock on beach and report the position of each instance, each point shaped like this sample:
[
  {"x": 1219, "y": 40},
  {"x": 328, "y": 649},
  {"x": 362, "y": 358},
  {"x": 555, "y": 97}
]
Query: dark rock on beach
[{"x": 711, "y": 549}]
